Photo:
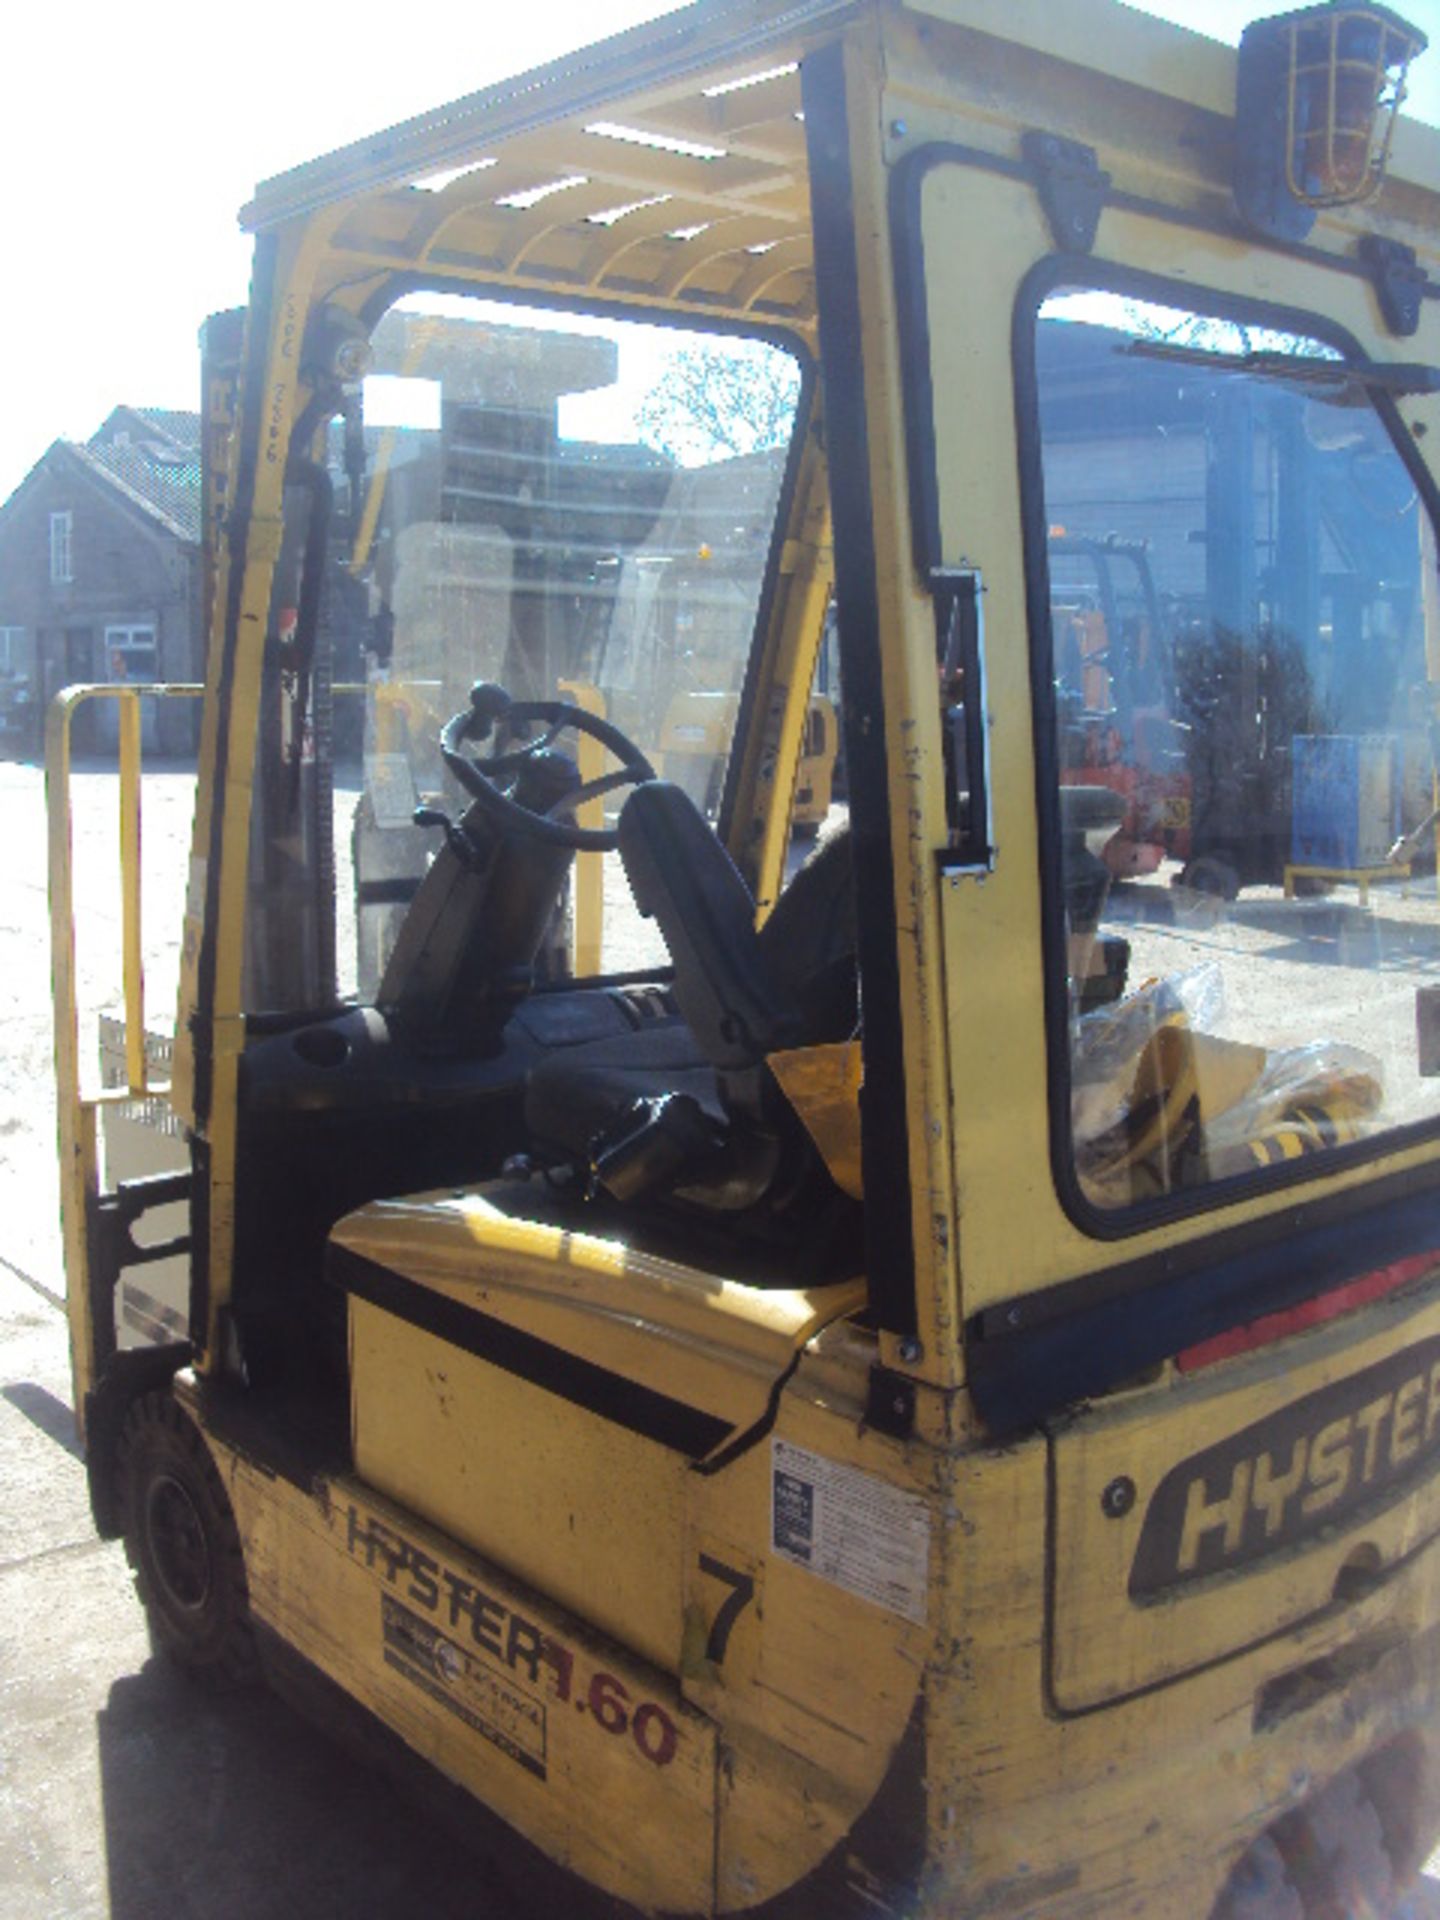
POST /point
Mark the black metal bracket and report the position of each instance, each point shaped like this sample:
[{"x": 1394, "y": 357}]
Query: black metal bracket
[
  {"x": 113, "y": 1247},
  {"x": 115, "y": 1214},
  {"x": 1072, "y": 186},
  {"x": 1399, "y": 281},
  {"x": 890, "y": 1403},
  {"x": 396, "y": 891}
]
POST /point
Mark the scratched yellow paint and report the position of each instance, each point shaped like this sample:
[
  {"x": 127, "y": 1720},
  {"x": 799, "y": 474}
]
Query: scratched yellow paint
[
  {"x": 694, "y": 1335},
  {"x": 545, "y": 1488},
  {"x": 587, "y": 1749}
]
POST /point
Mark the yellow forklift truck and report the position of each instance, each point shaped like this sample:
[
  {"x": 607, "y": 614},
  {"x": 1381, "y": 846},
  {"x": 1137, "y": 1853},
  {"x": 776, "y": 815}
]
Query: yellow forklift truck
[{"x": 913, "y": 1391}]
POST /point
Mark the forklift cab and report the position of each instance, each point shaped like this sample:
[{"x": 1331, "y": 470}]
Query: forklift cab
[{"x": 898, "y": 1376}]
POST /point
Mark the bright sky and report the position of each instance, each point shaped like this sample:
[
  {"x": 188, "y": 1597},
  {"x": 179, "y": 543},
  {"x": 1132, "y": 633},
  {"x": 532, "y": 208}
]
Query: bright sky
[{"x": 131, "y": 135}]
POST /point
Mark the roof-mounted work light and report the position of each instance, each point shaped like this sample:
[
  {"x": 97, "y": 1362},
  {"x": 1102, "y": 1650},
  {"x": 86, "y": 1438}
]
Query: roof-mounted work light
[{"x": 1317, "y": 92}]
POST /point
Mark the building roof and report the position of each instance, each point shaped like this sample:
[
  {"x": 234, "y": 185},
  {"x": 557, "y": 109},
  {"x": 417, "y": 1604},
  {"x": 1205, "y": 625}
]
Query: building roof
[
  {"x": 162, "y": 477},
  {"x": 163, "y": 428},
  {"x": 152, "y": 456},
  {"x": 181, "y": 424},
  {"x": 159, "y": 477},
  {"x": 166, "y": 488}
]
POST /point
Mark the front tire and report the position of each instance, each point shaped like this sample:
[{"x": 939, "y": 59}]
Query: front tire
[{"x": 183, "y": 1545}]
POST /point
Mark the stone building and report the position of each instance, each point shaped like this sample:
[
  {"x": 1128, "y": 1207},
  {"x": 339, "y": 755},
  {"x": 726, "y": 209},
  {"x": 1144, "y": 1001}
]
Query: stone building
[{"x": 100, "y": 575}]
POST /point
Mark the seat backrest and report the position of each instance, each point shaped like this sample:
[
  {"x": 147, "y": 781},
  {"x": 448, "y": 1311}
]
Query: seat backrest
[
  {"x": 809, "y": 940},
  {"x": 738, "y": 1004}
]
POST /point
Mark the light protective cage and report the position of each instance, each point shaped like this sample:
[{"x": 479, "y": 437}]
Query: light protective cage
[
  {"x": 1317, "y": 94},
  {"x": 1347, "y": 68}
]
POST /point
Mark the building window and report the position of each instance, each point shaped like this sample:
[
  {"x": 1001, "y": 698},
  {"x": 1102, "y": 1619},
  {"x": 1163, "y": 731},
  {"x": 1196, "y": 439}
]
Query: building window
[
  {"x": 130, "y": 653},
  {"x": 61, "y": 572},
  {"x": 12, "y": 649}
]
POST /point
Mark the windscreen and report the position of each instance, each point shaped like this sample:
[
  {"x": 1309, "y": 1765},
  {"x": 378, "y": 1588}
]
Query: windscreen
[
  {"x": 1242, "y": 652},
  {"x": 573, "y": 506}
]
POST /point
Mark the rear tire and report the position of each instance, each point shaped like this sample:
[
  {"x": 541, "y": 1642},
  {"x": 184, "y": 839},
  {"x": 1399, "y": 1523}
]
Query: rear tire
[
  {"x": 183, "y": 1544},
  {"x": 1335, "y": 1851},
  {"x": 1352, "y": 1850},
  {"x": 1260, "y": 1888},
  {"x": 1403, "y": 1781}
]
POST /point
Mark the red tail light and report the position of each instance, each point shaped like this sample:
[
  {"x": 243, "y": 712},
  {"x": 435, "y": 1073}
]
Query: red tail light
[{"x": 1310, "y": 1313}]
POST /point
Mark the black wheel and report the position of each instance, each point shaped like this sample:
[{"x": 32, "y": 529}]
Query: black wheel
[
  {"x": 1353, "y": 1849},
  {"x": 1260, "y": 1888},
  {"x": 1334, "y": 1848},
  {"x": 1403, "y": 1782},
  {"x": 1210, "y": 873},
  {"x": 183, "y": 1544}
]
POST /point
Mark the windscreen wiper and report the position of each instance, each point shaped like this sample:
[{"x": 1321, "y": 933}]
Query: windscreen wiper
[{"x": 1396, "y": 378}]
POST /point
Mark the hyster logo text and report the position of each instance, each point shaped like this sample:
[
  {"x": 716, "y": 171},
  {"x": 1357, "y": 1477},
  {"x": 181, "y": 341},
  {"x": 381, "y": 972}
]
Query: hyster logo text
[
  {"x": 1304, "y": 1468},
  {"x": 508, "y": 1638}
]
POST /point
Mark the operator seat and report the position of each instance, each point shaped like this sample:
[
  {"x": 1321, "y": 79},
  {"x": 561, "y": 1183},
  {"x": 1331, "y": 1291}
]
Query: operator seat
[{"x": 741, "y": 994}]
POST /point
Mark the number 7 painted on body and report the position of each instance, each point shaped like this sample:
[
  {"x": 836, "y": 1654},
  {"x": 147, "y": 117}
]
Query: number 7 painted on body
[{"x": 742, "y": 1592}]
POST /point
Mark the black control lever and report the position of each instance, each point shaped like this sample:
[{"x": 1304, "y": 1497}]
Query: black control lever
[{"x": 456, "y": 838}]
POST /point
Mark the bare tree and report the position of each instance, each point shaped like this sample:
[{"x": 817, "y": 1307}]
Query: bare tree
[
  {"x": 1210, "y": 333},
  {"x": 1202, "y": 331},
  {"x": 712, "y": 401}
]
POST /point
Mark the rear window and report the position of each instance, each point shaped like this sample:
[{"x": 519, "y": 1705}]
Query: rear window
[{"x": 1243, "y": 645}]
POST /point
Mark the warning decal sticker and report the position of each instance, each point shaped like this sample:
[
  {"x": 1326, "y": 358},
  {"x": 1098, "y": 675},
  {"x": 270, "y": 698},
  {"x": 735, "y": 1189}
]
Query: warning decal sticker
[
  {"x": 490, "y": 1703},
  {"x": 855, "y": 1531}
]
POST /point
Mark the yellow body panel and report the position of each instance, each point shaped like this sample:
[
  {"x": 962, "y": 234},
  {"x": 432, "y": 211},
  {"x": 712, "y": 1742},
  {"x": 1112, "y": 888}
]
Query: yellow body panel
[
  {"x": 505, "y": 1693},
  {"x": 1105, "y": 1644},
  {"x": 824, "y": 1085},
  {"x": 457, "y": 1440},
  {"x": 809, "y": 1731},
  {"x": 817, "y": 1685},
  {"x": 549, "y": 1498},
  {"x": 716, "y": 1343}
]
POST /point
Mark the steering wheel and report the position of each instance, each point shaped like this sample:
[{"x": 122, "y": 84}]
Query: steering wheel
[{"x": 490, "y": 778}]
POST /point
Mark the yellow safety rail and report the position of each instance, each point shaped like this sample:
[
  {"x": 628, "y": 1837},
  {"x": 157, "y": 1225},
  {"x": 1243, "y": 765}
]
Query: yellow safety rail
[{"x": 77, "y": 1107}]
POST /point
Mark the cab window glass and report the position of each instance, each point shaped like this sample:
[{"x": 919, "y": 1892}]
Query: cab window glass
[
  {"x": 573, "y": 506},
  {"x": 585, "y": 510},
  {"x": 1243, "y": 648}
]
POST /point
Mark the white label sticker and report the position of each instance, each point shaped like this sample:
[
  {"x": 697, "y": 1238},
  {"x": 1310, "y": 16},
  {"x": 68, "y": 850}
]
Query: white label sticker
[{"x": 855, "y": 1531}]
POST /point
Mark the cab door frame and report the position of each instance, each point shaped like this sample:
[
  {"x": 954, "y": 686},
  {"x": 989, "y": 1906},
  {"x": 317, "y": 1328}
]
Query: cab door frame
[
  {"x": 1039, "y": 1282},
  {"x": 891, "y": 727}
]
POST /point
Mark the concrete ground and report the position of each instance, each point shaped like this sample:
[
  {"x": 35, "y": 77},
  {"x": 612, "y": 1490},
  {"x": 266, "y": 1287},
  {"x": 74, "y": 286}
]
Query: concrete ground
[{"x": 125, "y": 1792}]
